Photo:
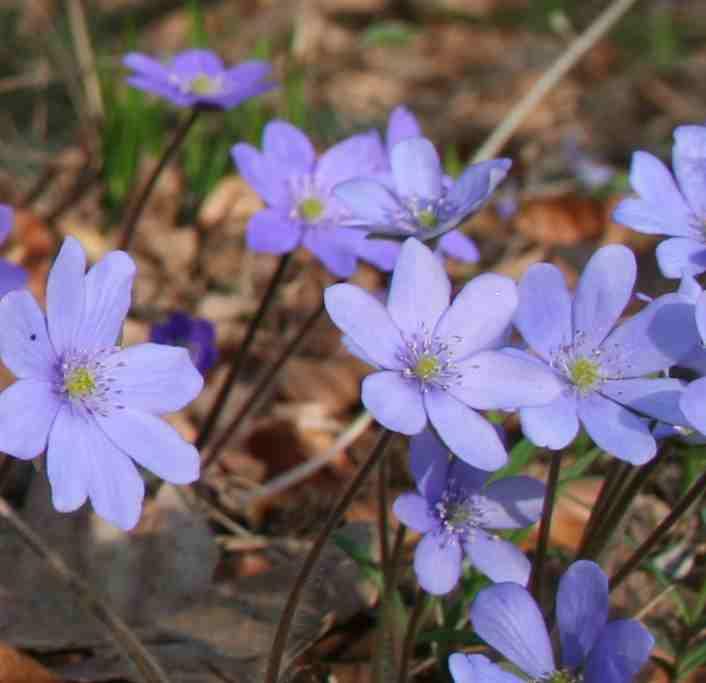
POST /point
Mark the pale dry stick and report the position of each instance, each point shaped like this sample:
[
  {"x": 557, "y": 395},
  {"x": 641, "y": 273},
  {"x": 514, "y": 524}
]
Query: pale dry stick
[
  {"x": 654, "y": 602},
  {"x": 281, "y": 483},
  {"x": 86, "y": 58},
  {"x": 551, "y": 77},
  {"x": 150, "y": 671}
]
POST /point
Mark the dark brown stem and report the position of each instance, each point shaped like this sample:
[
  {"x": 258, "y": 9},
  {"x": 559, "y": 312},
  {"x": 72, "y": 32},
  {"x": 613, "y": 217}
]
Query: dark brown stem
[
  {"x": 280, "y": 640},
  {"x": 237, "y": 360},
  {"x": 410, "y": 636},
  {"x": 259, "y": 393},
  {"x": 535, "y": 582},
  {"x": 383, "y": 521},
  {"x": 138, "y": 206},
  {"x": 658, "y": 534}
]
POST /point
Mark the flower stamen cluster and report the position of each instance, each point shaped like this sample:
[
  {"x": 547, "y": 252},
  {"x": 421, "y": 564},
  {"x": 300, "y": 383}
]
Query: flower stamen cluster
[
  {"x": 83, "y": 380},
  {"x": 429, "y": 361}
]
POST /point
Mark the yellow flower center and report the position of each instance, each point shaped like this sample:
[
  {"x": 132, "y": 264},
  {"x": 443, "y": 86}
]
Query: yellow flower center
[
  {"x": 205, "y": 85},
  {"x": 584, "y": 373},
  {"x": 310, "y": 209},
  {"x": 80, "y": 383},
  {"x": 427, "y": 366},
  {"x": 427, "y": 218}
]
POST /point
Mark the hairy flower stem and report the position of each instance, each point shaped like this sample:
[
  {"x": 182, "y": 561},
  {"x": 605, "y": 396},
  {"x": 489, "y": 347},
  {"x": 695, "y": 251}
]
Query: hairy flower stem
[
  {"x": 415, "y": 619},
  {"x": 612, "y": 483},
  {"x": 138, "y": 206},
  {"x": 259, "y": 393},
  {"x": 148, "y": 668},
  {"x": 237, "y": 359},
  {"x": 614, "y": 512},
  {"x": 540, "y": 554},
  {"x": 696, "y": 489},
  {"x": 280, "y": 640}
]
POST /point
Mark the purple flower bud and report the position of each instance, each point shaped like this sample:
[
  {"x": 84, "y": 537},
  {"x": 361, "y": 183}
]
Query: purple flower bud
[{"x": 196, "y": 335}]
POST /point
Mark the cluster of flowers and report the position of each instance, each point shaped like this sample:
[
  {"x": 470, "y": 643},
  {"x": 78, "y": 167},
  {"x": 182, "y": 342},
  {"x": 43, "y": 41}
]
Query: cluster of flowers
[{"x": 440, "y": 361}]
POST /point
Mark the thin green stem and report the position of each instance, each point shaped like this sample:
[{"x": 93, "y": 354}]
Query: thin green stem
[
  {"x": 259, "y": 393},
  {"x": 280, "y": 640},
  {"x": 237, "y": 359},
  {"x": 697, "y": 488},
  {"x": 135, "y": 211},
  {"x": 536, "y": 577}
]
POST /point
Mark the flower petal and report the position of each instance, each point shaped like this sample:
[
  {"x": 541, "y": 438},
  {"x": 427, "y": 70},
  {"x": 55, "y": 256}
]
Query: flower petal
[
  {"x": 195, "y": 62},
  {"x": 146, "y": 66},
  {"x": 372, "y": 206},
  {"x": 27, "y": 410},
  {"x": 383, "y": 254},
  {"x": 653, "y": 340},
  {"x": 478, "y": 669},
  {"x": 479, "y": 315},
  {"x": 162, "y": 89},
  {"x": 459, "y": 246},
  {"x": 692, "y": 404},
  {"x": 511, "y": 502},
  {"x": 269, "y": 182},
  {"x": 66, "y": 295},
  {"x": 108, "y": 287},
  {"x": 468, "y": 435},
  {"x": 413, "y": 511},
  {"x": 11, "y": 277},
  {"x": 153, "y": 443},
  {"x": 246, "y": 80},
  {"x": 356, "y": 156},
  {"x": 401, "y": 125},
  {"x": 689, "y": 161},
  {"x": 603, "y": 292},
  {"x": 429, "y": 461},
  {"x": 581, "y": 610},
  {"x": 69, "y": 457},
  {"x": 622, "y": 649},
  {"x": 416, "y": 168},
  {"x": 437, "y": 563},
  {"x": 554, "y": 425},
  {"x": 499, "y": 560},
  {"x": 543, "y": 314},
  {"x": 681, "y": 256},
  {"x": 115, "y": 488},
  {"x": 645, "y": 217},
  {"x": 154, "y": 378},
  {"x": 286, "y": 147},
  {"x": 394, "y": 402},
  {"x": 336, "y": 248},
  {"x": 24, "y": 341},
  {"x": 508, "y": 619},
  {"x": 420, "y": 290},
  {"x": 494, "y": 380},
  {"x": 270, "y": 232},
  {"x": 475, "y": 185},
  {"x": 362, "y": 318},
  {"x": 658, "y": 398},
  {"x": 616, "y": 430},
  {"x": 700, "y": 315}
]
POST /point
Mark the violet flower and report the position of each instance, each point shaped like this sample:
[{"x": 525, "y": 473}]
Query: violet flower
[
  {"x": 196, "y": 335},
  {"x": 455, "y": 509},
  {"x": 90, "y": 404},
  {"x": 666, "y": 207},
  {"x": 693, "y": 401},
  {"x": 593, "y": 650},
  {"x": 419, "y": 203},
  {"x": 301, "y": 208},
  {"x": 434, "y": 360},
  {"x": 11, "y": 275},
  {"x": 403, "y": 125},
  {"x": 198, "y": 78},
  {"x": 603, "y": 367}
]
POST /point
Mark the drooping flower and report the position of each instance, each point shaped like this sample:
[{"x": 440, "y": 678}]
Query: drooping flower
[
  {"x": 435, "y": 360},
  {"x": 403, "y": 125},
  {"x": 418, "y": 203},
  {"x": 593, "y": 650},
  {"x": 196, "y": 335},
  {"x": 89, "y": 403},
  {"x": 301, "y": 208},
  {"x": 198, "y": 78},
  {"x": 666, "y": 207},
  {"x": 455, "y": 509},
  {"x": 11, "y": 276},
  {"x": 603, "y": 367}
]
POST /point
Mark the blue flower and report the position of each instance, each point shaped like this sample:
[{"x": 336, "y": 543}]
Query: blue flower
[
  {"x": 11, "y": 276},
  {"x": 196, "y": 335},
  {"x": 89, "y": 403},
  {"x": 455, "y": 509}
]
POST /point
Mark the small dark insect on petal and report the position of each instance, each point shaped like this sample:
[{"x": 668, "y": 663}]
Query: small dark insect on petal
[{"x": 32, "y": 336}]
